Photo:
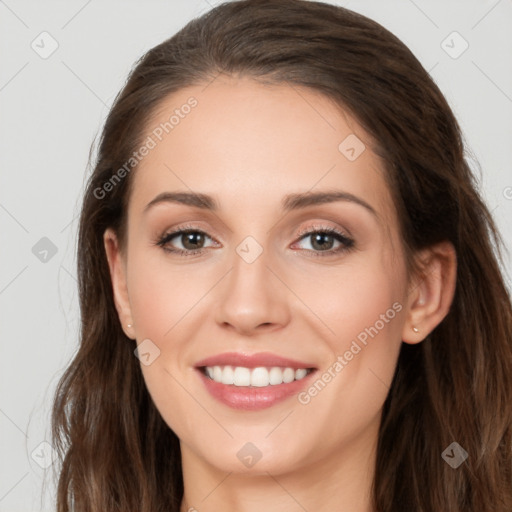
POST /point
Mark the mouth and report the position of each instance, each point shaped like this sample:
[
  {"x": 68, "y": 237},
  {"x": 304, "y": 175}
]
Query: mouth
[
  {"x": 253, "y": 381},
  {"x": 259, "y": 377}
]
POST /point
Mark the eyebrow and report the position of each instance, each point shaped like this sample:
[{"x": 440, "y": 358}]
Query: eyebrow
[{"x": 290, "y": 202}]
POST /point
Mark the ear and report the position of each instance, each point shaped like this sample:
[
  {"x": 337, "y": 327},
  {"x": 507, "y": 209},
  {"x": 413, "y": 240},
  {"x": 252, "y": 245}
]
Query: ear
[
  {"x": 117, "y": 265},
  {"x": 431, "y": 293}
]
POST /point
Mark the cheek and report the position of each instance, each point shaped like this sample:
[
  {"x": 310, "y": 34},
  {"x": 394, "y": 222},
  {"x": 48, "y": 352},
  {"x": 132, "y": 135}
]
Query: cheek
[
  {"x": 363, "y": 306},
  {"x": 163, "y": 294},
  {"x": 369, "y": 322},
  {"x": 165, "y": 300},
  {"x": 360, "y": 297}
]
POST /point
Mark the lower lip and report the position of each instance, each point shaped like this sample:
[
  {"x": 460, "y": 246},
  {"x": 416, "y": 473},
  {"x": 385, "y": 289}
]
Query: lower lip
[{"x": 253, "y": 398}]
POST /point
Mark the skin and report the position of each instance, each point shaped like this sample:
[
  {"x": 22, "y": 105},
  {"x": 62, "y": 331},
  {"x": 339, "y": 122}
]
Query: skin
[{"x": 249, "y": 145}]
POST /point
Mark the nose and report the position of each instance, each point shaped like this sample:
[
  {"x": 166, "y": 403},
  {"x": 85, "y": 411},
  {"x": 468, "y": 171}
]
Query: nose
[{"x": 253, "y": 297}]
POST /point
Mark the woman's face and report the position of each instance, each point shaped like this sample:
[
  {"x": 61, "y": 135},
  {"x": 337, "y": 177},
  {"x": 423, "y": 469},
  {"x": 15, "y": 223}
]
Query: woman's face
[{"x": 260, "y": 283}]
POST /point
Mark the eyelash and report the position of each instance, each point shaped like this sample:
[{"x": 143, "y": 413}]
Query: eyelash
[{"x": 347, "y": 243}]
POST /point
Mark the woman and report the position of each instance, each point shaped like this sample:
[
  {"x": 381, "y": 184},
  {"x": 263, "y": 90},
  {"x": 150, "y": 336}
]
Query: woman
[{"x": 289, "y": 290}]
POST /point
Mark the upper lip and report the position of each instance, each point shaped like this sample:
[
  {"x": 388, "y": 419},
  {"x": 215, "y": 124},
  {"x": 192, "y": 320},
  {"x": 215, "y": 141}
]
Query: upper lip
[{"x": 252, "y": 360}]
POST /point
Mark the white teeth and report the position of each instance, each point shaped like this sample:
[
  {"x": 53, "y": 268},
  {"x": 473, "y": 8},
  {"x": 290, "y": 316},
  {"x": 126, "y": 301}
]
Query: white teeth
[
  {"x": 217, "y": 373},
  {"x": 242, "y": 376},
  {"x": 259, "y": 377},
  {"x": 288, "y": 375},
  {"x": 228, "y": 376},
  {"x": 300, "y": 373},
  {"x": 256, "y": 377},
  {"x": 275, "y": 376}
]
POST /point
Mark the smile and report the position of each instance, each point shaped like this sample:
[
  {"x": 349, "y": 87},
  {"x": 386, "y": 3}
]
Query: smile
[
  {"x": 253, "y": 381},
  {"x": 255, "y": 377}
]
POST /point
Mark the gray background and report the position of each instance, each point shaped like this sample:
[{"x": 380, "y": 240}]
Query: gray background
[{"x": 52, "y": 109}]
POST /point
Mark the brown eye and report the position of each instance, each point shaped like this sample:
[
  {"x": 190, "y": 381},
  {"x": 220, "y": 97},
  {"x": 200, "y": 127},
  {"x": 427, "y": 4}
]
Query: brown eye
[
  {"x": 322, "y": 241},
  {"x": 188, "y": 241},
  {"x": 192, "y": 239}
]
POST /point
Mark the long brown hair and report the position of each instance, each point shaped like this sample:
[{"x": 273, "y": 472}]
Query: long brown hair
[{"x": 116, "y": 452}]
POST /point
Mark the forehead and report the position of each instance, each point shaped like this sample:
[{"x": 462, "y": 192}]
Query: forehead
[{"x": 249, "y": 144}]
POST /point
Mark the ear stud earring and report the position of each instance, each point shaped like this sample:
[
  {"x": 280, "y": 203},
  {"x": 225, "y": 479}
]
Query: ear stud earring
[
  {"x": 415, "y": 330},
  {"x": 128, "y": 325}
]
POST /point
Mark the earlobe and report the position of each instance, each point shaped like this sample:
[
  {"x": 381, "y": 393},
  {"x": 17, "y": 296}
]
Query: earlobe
[
  {"x": 118, "y": 277},
  {"x": 431, "y": 295}
]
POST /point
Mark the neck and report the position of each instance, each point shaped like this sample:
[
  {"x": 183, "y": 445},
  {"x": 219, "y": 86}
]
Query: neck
[{"x": 342, "y": 481}]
